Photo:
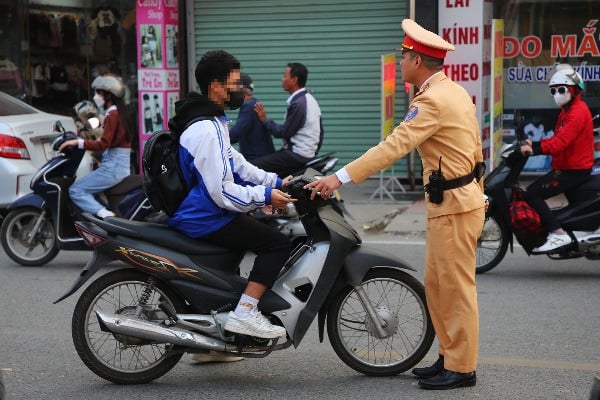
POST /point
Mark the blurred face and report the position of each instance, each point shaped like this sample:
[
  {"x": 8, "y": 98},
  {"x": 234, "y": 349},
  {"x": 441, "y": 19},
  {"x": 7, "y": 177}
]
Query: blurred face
[
  {"x": 222, "y": 91},
  {"x": 288, "y": 82}
]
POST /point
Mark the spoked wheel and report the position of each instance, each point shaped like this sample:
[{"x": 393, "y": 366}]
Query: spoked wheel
[
  {"x": 491, "y": 245},
  {"x": 28, "y": 240},
  {"x": 399, "y": 302},
  {"x": 119, "y": 358}
]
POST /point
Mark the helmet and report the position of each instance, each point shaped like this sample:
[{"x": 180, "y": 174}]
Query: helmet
[
  {"x": 85, "y": 109},
  {"x": 566, "y": 75},
  {"x": 110, "y": 84}
]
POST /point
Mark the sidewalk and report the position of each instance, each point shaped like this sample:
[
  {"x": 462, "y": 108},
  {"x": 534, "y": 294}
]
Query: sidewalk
[{"x": 378, "y": 217}]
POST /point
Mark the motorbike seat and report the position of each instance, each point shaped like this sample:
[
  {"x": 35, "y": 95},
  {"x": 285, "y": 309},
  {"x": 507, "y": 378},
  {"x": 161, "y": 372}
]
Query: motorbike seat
[
  {"x": 586, "y": 191},
  {"x": 161, "y": 235},
  {"x": 125, "y": 186}
]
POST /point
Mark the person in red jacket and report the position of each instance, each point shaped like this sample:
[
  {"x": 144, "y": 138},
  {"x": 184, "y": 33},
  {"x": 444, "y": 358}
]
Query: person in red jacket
[
  {"x": 115, "y": 145},
  {"x": 572, "y": 151}
]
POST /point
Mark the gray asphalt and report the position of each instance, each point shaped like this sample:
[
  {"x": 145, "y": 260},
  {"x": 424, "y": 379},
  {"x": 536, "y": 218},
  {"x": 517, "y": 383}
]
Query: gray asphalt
[{"x": 539, "y": 323}]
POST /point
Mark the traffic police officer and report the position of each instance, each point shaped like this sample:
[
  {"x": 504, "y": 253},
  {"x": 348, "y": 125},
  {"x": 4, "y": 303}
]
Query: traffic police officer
[{"x": 441, "y": 124}]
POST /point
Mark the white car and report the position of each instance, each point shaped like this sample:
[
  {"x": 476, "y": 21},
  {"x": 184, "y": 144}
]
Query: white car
[{"x": 26, "y": 137}]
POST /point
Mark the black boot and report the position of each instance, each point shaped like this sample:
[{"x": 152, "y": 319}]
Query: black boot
[{"x": 431, "y": 371}]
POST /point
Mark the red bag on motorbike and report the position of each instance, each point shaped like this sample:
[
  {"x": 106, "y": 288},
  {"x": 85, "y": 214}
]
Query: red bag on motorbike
[{"x": 523, "y": 217}]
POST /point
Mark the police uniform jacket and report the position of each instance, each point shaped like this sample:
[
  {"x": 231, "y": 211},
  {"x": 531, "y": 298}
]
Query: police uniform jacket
[{"x": 440, "y": 122}]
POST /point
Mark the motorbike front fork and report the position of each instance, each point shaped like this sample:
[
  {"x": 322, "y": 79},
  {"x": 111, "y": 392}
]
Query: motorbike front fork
[
  {"x": 377, "y": 323},
  {"x": 36, "y": 226}
]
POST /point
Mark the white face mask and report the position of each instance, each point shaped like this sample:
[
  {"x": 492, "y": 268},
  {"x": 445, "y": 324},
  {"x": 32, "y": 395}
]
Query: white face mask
[
  {"x": 99, "y": 100},
  {"x": 562, "y": 99}
]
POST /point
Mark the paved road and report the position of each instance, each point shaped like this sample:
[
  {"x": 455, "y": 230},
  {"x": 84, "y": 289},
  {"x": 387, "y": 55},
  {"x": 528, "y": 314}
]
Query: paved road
[{"x": 539, "y": 340}]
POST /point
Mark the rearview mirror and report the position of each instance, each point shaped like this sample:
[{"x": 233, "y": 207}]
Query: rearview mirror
[{"x": 58, "y": 127}]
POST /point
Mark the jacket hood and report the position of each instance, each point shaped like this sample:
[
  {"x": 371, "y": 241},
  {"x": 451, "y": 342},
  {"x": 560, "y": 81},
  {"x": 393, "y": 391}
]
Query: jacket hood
[{"x": 196, "y": 105}]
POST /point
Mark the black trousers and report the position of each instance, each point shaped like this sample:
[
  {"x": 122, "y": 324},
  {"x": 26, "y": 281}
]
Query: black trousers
[
  {"x": 283, "y": 162},
  {"x": 552, "y": 184},
  {"x": 272, "y": 248}
]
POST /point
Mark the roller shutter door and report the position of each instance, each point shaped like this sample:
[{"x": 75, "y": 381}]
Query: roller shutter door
[{"x": 340, "y": 42}]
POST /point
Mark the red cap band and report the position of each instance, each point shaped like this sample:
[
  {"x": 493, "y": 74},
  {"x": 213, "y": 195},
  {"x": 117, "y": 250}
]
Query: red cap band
[{"x": 410, "y": 44}]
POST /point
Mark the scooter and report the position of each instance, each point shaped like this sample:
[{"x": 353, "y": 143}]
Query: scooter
[
  {"x": 287, "y": 220},
  {"x": 40, "y": 224},
  {"x": 580, "y": 217},
  {"x": 133, "y": 325}
]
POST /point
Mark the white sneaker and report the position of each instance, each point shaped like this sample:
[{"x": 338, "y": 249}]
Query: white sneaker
[
  {"x": 255, "y": 325},
  {"x": 103, "y": 213},
  {"x": 553, "y": 242},
  {"x": 213, "y": 356}
]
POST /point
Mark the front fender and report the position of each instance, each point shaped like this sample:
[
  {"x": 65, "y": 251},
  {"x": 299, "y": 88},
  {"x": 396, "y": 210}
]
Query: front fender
[
  {"x": 29, "y": 200},
  {"x": 355, "y": 267},
  {"x": 360, "y": 261}
]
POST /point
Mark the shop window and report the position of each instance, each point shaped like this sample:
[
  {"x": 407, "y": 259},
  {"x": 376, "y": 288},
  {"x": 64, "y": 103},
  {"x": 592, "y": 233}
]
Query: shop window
[
  {"x": 538, "y": 35},
  {"x": 51, "y": 51}
]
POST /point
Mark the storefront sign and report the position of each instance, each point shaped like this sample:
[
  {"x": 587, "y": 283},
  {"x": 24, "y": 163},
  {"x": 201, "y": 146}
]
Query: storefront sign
[
  {"x": 388, "y": 93},
  {"x": 158, "y": 64},
  {"x": 468, "y": 26},
  {"x": 496, "y": 104}
]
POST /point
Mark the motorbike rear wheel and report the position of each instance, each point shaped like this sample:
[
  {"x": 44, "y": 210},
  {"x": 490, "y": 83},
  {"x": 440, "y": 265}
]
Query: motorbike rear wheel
[
  {"x": 119, "y": 358},
  {"x": 17, "y": 230},
  {"x": 399, "y": 301},
  {"x": 491, "y": 245}
]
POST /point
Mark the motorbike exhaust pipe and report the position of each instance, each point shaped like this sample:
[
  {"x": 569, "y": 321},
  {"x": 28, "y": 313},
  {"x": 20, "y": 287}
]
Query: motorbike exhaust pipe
[{"x": 134, "y": 327}]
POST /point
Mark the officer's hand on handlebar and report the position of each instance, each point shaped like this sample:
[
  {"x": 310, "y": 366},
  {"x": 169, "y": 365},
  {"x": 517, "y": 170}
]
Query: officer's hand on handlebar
[{"x": 324, "y": 186}]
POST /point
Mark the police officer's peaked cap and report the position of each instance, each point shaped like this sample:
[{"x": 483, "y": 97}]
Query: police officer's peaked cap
[{"x": 423, "y": 41}]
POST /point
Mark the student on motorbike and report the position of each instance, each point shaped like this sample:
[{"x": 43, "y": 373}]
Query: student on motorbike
[
  {"x": 115, "y": 145},
  {"x": 224, "y": 187},
  {"x": 572, "y": 151}
]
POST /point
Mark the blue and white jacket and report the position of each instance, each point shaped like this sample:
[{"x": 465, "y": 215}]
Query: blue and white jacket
[{"x": 223, "y": 183}]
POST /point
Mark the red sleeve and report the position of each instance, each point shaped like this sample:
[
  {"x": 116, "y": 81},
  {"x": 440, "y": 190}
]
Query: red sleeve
[
  {"x": 564, "y": 135},
  {"x": 108, "y": 136}
]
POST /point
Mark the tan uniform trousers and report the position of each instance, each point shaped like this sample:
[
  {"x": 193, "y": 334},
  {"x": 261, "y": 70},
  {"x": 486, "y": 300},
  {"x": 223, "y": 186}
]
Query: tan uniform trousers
[{"x": 450, "y": 286}]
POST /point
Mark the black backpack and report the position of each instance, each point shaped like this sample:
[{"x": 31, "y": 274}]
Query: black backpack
[{"x": 164, "y": 184}]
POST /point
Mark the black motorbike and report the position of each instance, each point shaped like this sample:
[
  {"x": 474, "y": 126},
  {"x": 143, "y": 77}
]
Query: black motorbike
[
  {"x": 133, "y": 325},
  {"x": 580, "y": 217},
  {"x": 41, "y": 223},
  {"x": 287, "y": 220}
]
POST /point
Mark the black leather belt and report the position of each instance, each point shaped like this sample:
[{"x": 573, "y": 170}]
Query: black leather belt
[
  {"x": 477, "y": 173},
  {"x": 458, "y": 182}
]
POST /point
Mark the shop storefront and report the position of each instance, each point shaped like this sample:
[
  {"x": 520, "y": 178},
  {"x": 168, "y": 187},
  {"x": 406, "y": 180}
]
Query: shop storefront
[
  {"x": 55, "y": 48},
  {"x": 537, "y": 36},
  {"x": 51, "y": 51}
]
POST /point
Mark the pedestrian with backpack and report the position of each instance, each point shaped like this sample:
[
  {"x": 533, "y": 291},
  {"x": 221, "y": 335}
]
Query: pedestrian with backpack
[{"x": 224, "y": 187}]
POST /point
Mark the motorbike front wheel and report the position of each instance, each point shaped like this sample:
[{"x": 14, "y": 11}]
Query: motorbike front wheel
[
  {"x": 491, "y": 245},
  {"x": 399, "y": 302},
  {"x": 22, "y": 244},
  {"x": 119, "y": 358}
]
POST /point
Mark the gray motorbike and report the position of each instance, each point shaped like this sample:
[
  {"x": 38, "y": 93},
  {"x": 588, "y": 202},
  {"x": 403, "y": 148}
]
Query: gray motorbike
[{"x": 133, "y": 325}]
